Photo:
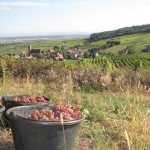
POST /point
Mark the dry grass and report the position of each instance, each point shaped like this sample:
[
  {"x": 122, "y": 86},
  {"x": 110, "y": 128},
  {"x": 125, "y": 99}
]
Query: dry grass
[
  {"x": 116, "y": 121},
  {"x": 6, "y": 142}
]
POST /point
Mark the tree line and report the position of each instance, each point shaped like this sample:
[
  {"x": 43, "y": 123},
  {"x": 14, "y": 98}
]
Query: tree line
[{"x": 120, "y": 32}]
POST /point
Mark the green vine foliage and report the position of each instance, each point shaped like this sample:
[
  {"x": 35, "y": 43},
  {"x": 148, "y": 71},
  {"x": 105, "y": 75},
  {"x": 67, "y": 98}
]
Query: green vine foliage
[
  {"x": 11, "y": 66},
  {"x": 3, "y": 69},
  {"x": 138, "y": 65}
]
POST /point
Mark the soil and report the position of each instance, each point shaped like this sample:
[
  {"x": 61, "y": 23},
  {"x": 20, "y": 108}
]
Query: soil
[{"x": 6, "y": 142}]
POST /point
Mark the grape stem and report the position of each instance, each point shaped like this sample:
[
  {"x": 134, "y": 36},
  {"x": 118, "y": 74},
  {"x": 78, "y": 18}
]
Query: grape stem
[{"x": 62, "y": 122}]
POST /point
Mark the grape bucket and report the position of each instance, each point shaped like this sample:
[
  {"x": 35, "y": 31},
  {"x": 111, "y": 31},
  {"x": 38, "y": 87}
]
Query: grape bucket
[
  {"x": 8, "y": 102},
  {"x": 41, "y": 135}
]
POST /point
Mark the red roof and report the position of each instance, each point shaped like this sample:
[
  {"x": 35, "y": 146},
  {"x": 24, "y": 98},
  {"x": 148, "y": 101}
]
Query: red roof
[
  {"x": 60, "y": 56},
  {"x": 70, "y": 51},
  {"x": 51, "y": 50},
  {"x": 56, "y": 58}
]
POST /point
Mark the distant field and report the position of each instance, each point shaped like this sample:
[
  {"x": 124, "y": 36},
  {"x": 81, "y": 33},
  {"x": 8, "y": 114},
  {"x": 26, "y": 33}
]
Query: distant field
[
  {"x": 138, "y": 41},
  {"x": 45, "y": 45}
]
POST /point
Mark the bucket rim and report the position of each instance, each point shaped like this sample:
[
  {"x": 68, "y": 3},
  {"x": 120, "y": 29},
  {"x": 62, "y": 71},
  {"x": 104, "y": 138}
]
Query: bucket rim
[
  {"x": 13, "y": 117},
  {"x": 6, "y": 98},
  {"x": 2, "y": 108}
]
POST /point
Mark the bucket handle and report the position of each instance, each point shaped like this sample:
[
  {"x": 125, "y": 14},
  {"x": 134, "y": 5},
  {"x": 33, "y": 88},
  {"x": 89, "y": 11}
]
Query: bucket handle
[{"x": 13, "y": 114}]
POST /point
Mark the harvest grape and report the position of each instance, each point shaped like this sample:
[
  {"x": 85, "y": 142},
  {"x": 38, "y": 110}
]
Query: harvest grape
[
  {"x": 28, "y": 99},
  {"x": 67, "y": 113}
]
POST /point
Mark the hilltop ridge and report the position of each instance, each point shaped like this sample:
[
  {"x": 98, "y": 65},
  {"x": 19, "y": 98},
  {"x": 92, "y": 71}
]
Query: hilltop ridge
[{"x": 120, "y": 32}]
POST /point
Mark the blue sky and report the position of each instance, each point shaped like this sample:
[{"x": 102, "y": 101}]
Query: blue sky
[{"x": 60, "y": 16}]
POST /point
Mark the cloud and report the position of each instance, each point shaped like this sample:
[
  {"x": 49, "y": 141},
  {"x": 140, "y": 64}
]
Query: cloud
[
  {"x": 81, "y": 3},
  {"x": 4, "y": 8},
  {"x": 24, "y": 4}
]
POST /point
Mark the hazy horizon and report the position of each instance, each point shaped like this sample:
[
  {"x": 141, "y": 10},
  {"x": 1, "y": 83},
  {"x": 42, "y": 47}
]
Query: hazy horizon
[
  {"x": 53, "y": 34},
  {"x": 44, "y": 17},
  {"x": 45, "y": 34}
]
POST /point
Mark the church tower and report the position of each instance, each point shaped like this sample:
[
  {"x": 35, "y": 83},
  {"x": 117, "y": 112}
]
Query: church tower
[{"x": 29, "y": 49}]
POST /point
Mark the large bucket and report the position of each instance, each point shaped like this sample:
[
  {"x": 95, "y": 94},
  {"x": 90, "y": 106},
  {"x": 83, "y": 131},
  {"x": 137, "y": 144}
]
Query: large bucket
[
  {"x": 41, "y": 135},
  {"x": 8, "y": 102}
]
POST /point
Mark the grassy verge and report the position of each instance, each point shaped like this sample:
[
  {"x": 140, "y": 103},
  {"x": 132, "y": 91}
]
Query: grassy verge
[{"x": 115, "y": 121}]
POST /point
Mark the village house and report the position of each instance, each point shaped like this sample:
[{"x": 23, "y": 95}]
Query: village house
[
  {"x": 50, "y": 54},
  {"x": 38, "y": 53},
  {"x": 51, "y": 51},
  {"x": 60, "y": 56},
  {"x": 57, "y": 56},
  {"x": 74, "y": 54}
]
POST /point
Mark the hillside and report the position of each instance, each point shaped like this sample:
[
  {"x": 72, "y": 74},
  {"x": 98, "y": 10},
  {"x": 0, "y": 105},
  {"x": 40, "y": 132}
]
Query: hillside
[
  {"x": 137, "y": 41},
  {"x": 120, "y": 32}
]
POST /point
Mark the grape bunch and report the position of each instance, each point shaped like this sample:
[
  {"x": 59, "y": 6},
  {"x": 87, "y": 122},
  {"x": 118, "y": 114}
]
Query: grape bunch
[
  {"x": 57, "y": 114},
  {"x": 29, "y": 99}
]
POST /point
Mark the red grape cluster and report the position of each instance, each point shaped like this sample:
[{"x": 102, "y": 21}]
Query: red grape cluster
[
  {"x": 67, "y": 113},
  {"x": 29, "y": 99}
]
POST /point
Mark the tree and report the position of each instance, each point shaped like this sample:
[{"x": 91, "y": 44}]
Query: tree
[{"x": 148, "y": 48}]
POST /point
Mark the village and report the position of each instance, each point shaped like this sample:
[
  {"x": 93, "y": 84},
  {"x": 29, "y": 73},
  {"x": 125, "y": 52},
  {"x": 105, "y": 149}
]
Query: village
[{"x": 54, "y": 55}]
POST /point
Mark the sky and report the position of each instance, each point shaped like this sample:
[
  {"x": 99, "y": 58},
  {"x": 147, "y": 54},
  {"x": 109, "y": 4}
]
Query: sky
[{"x": 27, "y": 17}]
